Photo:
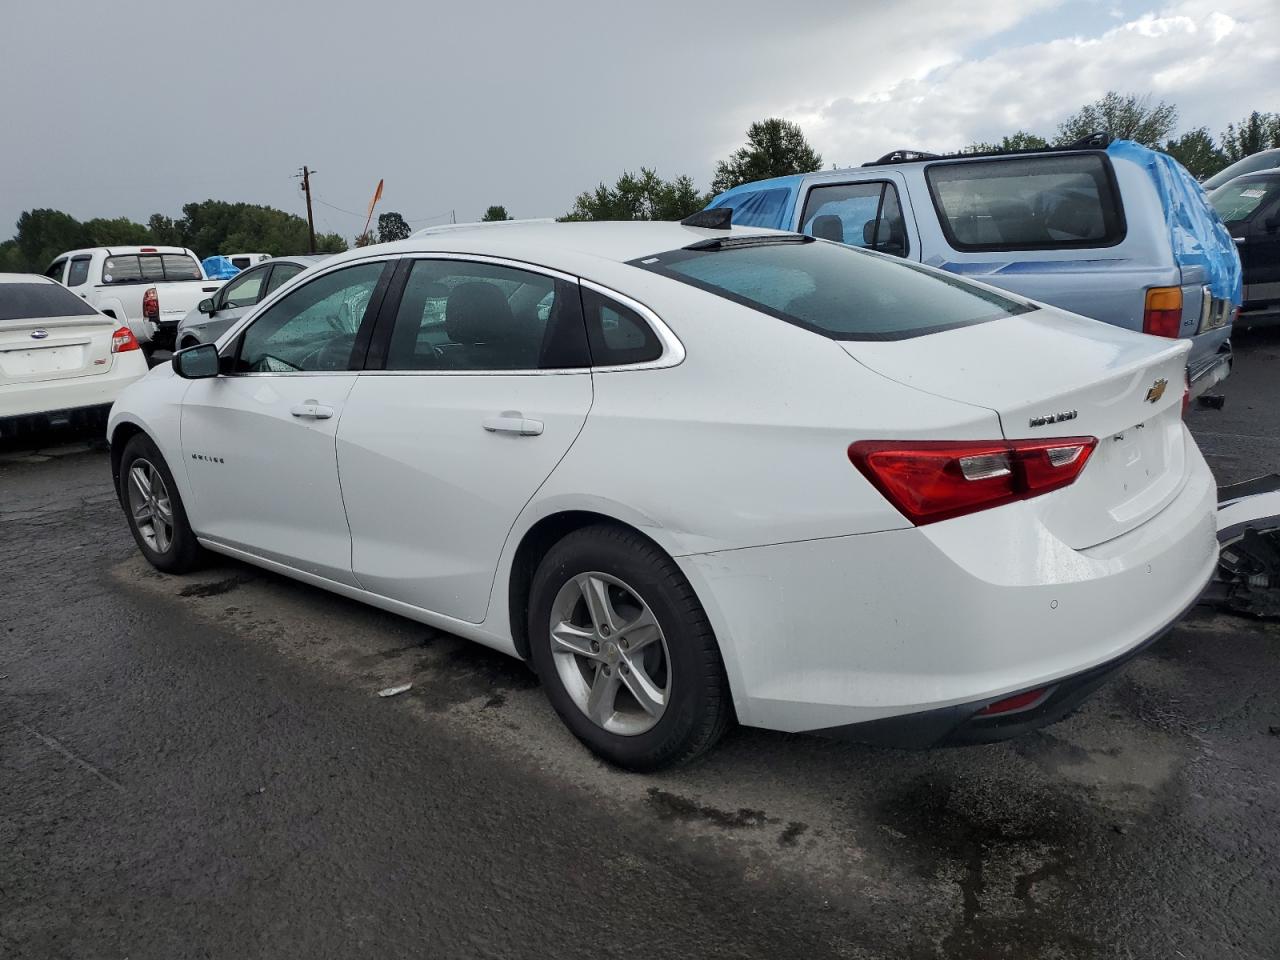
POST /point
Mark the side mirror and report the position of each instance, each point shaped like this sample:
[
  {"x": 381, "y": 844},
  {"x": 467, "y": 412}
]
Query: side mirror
[
  {"x": 206, "y": 306},
  {"x": 197, "y": 363}
]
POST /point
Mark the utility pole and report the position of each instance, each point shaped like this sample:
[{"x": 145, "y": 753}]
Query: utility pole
[{"x": 311, "y": 222}]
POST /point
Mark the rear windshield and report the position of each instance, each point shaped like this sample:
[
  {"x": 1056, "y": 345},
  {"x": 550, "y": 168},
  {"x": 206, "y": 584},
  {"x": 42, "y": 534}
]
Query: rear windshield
[
  {"x": 139, "y": 268},
  {"x": 834, "y": 290},
  {"x": 40, "y": 301},
  {"x": 1239, "y": 199},
  {"x": 1028, "y": 203}
]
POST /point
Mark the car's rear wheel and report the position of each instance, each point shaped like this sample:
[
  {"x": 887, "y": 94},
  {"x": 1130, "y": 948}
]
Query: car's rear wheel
[
  {"x": 625, "y": 651},
  {"x": 154, "y": 508}
]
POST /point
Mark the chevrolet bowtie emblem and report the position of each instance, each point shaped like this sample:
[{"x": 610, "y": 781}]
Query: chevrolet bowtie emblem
[{"x": 1157, "y": 390}]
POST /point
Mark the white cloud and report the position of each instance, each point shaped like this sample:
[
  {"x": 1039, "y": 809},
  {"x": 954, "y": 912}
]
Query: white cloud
[{"x": 1215, "y": 61}]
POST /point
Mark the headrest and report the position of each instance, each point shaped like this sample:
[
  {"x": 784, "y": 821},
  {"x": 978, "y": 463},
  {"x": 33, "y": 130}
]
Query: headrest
[
  {"x": 477, "y": 312},
  {"x": 877, "y": 238},
  {"x": 828, "y": 227}
]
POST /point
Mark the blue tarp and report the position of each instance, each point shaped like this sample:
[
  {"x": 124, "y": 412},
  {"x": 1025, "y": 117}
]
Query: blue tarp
[
  {"x": 764, "y": 203},
  {"x": 1199, "y": 238},
  {"x": 219, "y": 268}
]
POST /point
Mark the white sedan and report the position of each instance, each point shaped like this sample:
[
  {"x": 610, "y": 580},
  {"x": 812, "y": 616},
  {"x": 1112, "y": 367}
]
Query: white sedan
[
  {"x": 61, "y": 361},
  {"x": 695, "y": 475}
]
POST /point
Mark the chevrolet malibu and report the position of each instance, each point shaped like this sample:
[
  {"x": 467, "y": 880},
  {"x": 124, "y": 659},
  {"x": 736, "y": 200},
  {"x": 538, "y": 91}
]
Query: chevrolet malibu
[{"x": 693, "y": 474}]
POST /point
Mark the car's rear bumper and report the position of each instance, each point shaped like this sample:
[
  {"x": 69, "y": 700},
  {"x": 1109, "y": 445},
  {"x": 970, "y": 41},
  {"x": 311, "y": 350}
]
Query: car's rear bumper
[
  {"x": 965, "y": 723},
  {"x": 883, "y": 627},
  {"x": 1208, "y": 372},
  {"x": 56, "y": 397}
]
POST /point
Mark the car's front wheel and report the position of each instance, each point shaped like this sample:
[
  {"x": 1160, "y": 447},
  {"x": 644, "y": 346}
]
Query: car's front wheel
[
  {"x": 154, "y": 508},
  {"x": 625, "y": 651}
]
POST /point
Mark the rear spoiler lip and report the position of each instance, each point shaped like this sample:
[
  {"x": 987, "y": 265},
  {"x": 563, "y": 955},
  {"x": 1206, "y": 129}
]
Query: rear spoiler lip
[{"x": 1230, "y": 493}]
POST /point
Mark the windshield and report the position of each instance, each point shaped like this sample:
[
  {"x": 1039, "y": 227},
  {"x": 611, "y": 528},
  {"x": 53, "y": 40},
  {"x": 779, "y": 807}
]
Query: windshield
[
  {"x": 1252, "y": 164},
  {"x": 40, "y": 301},
  {"x": 834, "y": 290},
  {"x": 1240, "y": 198}
]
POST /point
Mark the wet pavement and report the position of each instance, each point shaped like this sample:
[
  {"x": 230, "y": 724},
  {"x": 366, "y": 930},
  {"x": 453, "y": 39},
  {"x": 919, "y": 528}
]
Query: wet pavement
[{"x": 201, "y": 767}]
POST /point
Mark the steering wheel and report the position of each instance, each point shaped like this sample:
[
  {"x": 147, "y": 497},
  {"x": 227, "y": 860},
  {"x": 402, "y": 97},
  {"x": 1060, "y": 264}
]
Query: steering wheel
[{"x": 333, "y": 354}]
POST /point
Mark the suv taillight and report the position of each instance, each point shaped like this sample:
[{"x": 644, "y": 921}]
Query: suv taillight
[
  {"x": 123, "y": 340},
  {"x": 151, "y": 305},
  {"x": 1163, "y": 314},
  {"x": 932, "y": 480}
]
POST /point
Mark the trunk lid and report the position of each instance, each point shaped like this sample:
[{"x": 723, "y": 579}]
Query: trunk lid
[
  {"x": 55, "y": 348},
  {"x": 1050, "y": 374}
]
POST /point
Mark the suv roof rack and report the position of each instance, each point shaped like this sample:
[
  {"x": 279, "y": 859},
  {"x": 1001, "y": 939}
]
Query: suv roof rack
[{"x": 1094, "y": 141}]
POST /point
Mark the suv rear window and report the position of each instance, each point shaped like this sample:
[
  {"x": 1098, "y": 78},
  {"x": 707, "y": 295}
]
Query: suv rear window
[
  {"x": 831, "y": 289},
  {"x": 150, "y": 267},
  {"x": 40, "y": 301},
  {"x": 1028, "y": 203}
]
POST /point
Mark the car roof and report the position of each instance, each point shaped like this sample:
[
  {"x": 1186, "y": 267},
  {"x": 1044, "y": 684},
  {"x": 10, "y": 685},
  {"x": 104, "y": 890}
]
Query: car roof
[
  {"x": 26, "y": 278},
  {"x": 1271, "y": 174},
  {"x": 567, "y": 245}
]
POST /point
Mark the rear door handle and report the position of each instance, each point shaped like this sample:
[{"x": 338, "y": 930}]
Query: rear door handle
[
  {"x": 512, "y": 422},
  {"x": 311, "y": 410}
]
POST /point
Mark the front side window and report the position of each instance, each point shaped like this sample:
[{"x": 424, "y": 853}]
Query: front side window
[
  {"x": 245, "y": 290},
  {"x": 1028, "y": 203},
  {"x": 833, "y": 290},
  {"x": 312, "y": 328},
  {"x": 459, "y": 315},
  {"x": 1240, "y": 200},
  {"x": 79, "y": 273},
  {"x": 866, "y": 215},
  {"x": 282, "y": 273},
  {"x": 55, "y": 270}
]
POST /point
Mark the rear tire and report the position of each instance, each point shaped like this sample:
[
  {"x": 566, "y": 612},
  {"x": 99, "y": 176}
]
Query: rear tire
[
  {"x": 154, "y": 510},
  {"x": 635, "y": 673}
]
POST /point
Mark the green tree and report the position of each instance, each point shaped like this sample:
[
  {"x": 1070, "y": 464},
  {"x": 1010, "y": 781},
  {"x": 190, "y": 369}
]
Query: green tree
[
  {"x": 496, "y": 212},
  {"x": 215, "y": 226},
  {"x": 121, "y": 231},
  {"x": 12, "y": 259},
  {"x": 775, "y": 148},
  {"x": 391, "y": 226},
  {"x": 1016, "y": 141},
  {"x": 164, "y": 231},
  {"x": 43, "y": 234},
  {"x": 1258, "y": 131},
  {"x": 639, "y": 197},
  {"x": 1196, "y": 151},
  {"x": 1127, "y": 116}
]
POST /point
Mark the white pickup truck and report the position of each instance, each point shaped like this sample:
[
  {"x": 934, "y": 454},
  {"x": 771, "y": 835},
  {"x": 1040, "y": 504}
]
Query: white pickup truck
[{"x": 147, "y": 288}]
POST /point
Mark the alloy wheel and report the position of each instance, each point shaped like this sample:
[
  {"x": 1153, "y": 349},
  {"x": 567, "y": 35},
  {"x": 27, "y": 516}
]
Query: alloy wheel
[
  {"x": 150, "y": 505},
  {"x": 610, "y": 653}
]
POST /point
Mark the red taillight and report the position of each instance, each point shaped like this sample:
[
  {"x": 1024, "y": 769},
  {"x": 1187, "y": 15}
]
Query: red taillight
[
  {"x": 932, "y": 480},
  {"x": 1019, "y": 701},
  {"x": 151, "y": 305},
  {"x": 123, "y": 340},
  {"x": 1163, "y": 314}
]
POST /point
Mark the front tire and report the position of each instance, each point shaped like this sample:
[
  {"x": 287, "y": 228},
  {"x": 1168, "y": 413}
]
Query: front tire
[
  {"x": 153, "y": 507},
  {"x": 625, "y": 650}
]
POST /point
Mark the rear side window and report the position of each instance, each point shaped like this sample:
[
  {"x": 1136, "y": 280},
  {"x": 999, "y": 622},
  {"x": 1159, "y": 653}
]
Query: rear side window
[
  {"x": 763, "y": 208},
  {"x": 79, "y": 273},
  {"x": 40, "y": 301},
  {"x": 137, "y": 268},
  {"x": 1028, "y": 203},
  {"x": 834, "y": 290},
  {"x": 616, "y": 333},
  {"x": 863, "y": 214}
]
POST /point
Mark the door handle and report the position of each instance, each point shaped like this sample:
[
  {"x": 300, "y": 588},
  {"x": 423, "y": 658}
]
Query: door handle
[
  {"x": 512, "y": 422},
  {"x": 311, "y": 410},
  {"x": 1239, "y": 240}
]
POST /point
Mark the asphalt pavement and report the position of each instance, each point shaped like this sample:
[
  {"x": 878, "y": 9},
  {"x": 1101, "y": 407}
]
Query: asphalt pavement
[{"x": 201, "y": 767}]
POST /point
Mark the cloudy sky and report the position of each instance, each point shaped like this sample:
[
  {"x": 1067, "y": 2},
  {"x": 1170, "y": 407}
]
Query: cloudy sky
[{"x": 132, "y": 107}]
